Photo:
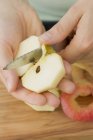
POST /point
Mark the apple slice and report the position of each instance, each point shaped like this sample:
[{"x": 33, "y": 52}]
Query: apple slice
[
  {"x": 26, "y": 46},
  {"x": 42, "y": 108},
  {"x": 45, "y": 74}
]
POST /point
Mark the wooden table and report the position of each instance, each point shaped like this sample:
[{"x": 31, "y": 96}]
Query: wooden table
[{"x": 20, "y": 122}]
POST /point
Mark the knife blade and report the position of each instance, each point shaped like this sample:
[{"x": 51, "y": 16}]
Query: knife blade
[{"x": 30, "y": 57}]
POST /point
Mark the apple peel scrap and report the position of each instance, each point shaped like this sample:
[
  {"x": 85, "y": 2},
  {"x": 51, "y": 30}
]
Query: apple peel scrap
[
  {"x": 45, "y": 75},
  {"x": 79, "y": 105}
]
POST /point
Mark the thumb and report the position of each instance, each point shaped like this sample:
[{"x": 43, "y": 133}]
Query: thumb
[
  {"x": 63, "y": 28},
  {"x": 8, "y": 77}
]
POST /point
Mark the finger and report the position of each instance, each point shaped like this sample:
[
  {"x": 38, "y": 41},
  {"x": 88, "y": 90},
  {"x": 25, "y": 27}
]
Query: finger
[
  {"x": 52, "y": 99},
  {"x": 67, "y": 86},
  {"x": 28, "y": 96},
  {"x": 82, "y": 42},
  {"x": 74, "y": 50},
  {"x": 62, "y": 29},
  {"x": 67, "y": 67},
  {"x": 59, "y": 46},
  {"x": 34, "y": 24},
  {"x": 8, "y": 77}
]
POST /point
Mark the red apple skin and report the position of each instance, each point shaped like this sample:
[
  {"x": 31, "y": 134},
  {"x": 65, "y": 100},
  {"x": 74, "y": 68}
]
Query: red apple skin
[{"x": 72, "y": 109}]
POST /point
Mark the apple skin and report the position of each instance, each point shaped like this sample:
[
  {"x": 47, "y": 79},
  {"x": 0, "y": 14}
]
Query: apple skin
[
  {"x": 82, "y": 77},
  {"x": 26, "y": 46},
  {"x": 71, "y": 107}
]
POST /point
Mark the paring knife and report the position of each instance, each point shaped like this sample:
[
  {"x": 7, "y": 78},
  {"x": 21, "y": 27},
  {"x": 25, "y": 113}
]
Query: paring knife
[{"x": 30, "y": 57}]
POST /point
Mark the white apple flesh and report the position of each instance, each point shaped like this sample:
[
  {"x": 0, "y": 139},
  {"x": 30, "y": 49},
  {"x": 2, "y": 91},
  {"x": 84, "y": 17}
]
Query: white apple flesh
[
  {"x": 42, "y": 108},
  {"x": 45, "y": 75},
  {"x": 26, "y": 46}
]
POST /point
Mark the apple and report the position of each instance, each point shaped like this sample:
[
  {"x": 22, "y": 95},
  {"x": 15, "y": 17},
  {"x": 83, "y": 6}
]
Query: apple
[
  {"x": 26, "y": 46},
  {"x": 45, "y": 75}
]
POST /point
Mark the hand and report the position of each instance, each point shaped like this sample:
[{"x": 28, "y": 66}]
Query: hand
[
  {"x": 79, "y": 18},
  {"x": 18, "y": 20}
]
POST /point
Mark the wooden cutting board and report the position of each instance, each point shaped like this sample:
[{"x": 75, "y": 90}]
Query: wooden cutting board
[{"x": 19, "y": 122}]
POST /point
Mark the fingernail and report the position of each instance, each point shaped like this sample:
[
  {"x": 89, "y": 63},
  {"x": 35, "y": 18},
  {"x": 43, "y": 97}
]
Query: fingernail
[
  {"x": 37, "y": 100},
  {"x": 52, "y": 100},
  {"x": 45, "y": 37},
  {"x": 67, "y": 86}
]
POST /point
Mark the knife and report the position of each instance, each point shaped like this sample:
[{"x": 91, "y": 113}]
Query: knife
[{"x": 30, "y": 57}]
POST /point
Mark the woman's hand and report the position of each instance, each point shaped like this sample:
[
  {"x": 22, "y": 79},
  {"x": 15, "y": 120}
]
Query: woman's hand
[
  {"x": 78, "y": 18},
  {"x": 18, "y": 20}
]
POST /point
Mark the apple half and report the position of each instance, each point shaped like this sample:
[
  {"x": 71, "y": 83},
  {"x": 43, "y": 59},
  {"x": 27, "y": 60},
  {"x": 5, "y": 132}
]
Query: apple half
[{"x": 45, "y": 75}]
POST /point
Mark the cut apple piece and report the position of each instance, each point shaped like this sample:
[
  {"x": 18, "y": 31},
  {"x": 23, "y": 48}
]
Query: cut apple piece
[
  {"x": 45, "y": 74},
  {"x": 26, "y": 46}
]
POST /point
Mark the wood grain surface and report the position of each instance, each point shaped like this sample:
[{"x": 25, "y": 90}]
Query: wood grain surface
[{"x": 19, "y": 122}]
